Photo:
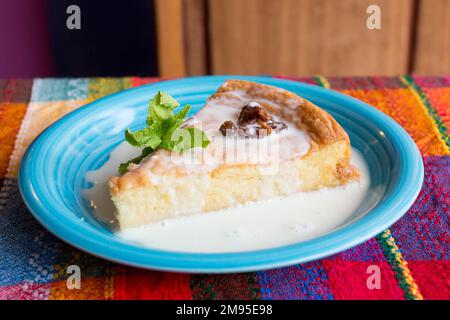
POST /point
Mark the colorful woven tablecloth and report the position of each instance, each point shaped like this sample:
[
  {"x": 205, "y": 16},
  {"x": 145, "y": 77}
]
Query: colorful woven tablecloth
[{"x": 413, "y": 255}]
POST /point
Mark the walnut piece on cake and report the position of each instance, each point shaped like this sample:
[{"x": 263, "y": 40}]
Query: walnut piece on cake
[{"x": 253, "y": 122}]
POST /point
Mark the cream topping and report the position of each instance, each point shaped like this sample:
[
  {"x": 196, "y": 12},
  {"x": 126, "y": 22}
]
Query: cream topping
[{"x": 227, "y": 150}]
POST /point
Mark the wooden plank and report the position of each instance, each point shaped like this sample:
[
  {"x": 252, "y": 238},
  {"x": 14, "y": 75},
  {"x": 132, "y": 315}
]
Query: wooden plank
[
  {"x": 432, "y": 55},
  {"x": 306, "y": 37},
  {"x": 170, "y": 38},
  {"x": 195, "y": 37}
]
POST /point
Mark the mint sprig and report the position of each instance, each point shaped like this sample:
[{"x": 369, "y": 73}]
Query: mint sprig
[
  {"x": 124, "y": 166},
  {"x": 164, "y": 131}
]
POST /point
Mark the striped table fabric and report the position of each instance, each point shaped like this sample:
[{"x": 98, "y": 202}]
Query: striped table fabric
[{"x": 413, "y": 255}]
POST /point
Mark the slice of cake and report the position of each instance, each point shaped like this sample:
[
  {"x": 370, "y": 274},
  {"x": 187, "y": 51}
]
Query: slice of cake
[{"x": 265, "y": 142}]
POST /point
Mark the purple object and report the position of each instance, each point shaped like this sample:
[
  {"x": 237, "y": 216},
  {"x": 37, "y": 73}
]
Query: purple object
[{"x": 24, "y": 39}]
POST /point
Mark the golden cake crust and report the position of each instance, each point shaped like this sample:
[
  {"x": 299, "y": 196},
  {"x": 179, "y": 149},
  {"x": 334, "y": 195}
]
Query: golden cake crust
[{"x": 319, "y": 124}]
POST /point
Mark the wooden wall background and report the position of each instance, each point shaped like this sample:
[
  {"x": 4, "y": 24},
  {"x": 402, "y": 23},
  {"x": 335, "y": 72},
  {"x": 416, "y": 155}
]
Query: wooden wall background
[{"x": 302, "y": 37}]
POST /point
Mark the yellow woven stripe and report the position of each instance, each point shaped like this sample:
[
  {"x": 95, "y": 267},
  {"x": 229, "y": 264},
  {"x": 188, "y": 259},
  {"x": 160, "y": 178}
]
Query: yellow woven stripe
[
  {"x": 423, "y": 106},
  {"x": 11, "y": 115},
  {"x": 92, "y": 288},
  {"x": 109, "y": 287},
  {"x": 100, "y": 87},
  {"x": 402, "y": 265},
  {"x": 324, "y": 81}
]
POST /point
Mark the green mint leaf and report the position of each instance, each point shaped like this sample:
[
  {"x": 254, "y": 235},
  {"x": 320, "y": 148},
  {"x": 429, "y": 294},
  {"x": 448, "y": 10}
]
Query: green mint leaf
[
  {"x": 176, "y": 121},
  {"x": 163, "y": 130},
  {"x": 124, "y": 166},
  {"x": 161, "y": 107},
  {"x": 185, "y": 139},
  {"x": 167, "y": 100},
  {"x": 147, "y": 137},
  {"x": 158, "y": 112}
]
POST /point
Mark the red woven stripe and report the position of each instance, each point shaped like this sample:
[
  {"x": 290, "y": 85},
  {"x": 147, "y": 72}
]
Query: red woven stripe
[
  {"x": 131, "y": 284},
  {"x": 348, "y": 280},
  {"x": 141, "y": 81},
  {"x": 432, "y": 277}
]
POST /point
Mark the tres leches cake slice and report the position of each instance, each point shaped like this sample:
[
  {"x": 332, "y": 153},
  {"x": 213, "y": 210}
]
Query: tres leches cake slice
[{"x": 257, "y": 142}]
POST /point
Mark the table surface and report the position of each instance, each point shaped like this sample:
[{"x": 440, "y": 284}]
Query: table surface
[{"x": 412, "y": 256}]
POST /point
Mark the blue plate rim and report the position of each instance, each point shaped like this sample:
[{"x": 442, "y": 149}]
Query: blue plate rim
[{"x": 98, "y": 244}]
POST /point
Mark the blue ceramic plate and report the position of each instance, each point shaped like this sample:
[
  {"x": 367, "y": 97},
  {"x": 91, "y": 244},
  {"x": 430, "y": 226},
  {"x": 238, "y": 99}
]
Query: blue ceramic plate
[{"x": 52, "y": 176}]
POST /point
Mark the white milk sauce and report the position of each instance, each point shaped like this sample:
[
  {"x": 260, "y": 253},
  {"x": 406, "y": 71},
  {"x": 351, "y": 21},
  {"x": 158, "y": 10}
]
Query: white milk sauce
[{"x": 267, "y": 224}]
